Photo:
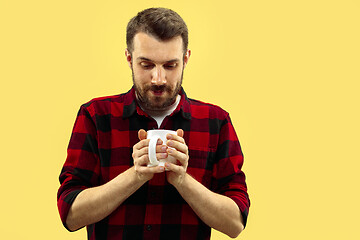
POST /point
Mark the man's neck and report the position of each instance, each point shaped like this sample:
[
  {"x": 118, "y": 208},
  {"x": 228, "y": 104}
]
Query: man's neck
[{"x": 159, "y": 115}]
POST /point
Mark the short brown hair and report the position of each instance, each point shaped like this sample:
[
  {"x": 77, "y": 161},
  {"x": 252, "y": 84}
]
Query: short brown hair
[{"x": 161, "y": 23}]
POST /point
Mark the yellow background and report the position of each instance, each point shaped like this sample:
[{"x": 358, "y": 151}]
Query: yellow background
[{"x": 287, "y": 71}]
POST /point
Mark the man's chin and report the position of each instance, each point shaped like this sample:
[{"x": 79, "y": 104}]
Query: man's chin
[{"x": 158, "y": 104}]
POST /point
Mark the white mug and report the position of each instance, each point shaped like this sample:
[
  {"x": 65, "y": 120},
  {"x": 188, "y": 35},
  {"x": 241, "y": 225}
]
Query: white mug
[{"x": 154, "y": 135}]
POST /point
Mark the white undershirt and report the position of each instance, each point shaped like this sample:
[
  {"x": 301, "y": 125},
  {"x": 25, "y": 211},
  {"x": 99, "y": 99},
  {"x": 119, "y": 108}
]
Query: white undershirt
[{"x": 160, "y": 116}]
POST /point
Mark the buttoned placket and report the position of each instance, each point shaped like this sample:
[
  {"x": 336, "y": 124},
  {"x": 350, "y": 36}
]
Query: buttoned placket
[{"x": 153, "y": 212}]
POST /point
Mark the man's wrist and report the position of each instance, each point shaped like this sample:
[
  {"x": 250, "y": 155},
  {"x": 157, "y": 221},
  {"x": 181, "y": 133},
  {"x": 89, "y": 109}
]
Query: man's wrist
[
  {"x": 138, "y": 177},
  {"x": 182, "y": 183}
]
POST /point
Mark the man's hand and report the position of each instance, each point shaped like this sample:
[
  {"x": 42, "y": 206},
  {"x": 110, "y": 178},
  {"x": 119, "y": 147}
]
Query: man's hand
[
  {"x": 179, "y": 151},
  {"x": 141, "y": 157}
]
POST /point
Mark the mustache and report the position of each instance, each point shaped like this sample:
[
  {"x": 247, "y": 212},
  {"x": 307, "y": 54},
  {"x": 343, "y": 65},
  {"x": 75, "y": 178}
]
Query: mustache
[{"x": 158, "y": 88}]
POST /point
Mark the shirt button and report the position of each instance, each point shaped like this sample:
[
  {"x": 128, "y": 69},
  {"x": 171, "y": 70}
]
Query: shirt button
[{"x": 148, "y": 227}]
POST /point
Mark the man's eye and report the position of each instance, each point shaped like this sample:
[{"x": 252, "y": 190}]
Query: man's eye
[
  {"x": 170, "y": 66},
  {"x": 146, "y": 65}
]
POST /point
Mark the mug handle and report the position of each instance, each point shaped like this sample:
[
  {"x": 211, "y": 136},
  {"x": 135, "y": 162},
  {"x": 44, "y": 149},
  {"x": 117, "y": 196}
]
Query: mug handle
[{"x": 152, "y": 151}]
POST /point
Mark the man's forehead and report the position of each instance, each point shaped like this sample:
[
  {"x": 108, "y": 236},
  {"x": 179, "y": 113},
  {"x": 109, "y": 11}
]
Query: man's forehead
[
  {"x": 143, "y": 35},
  {"x": 147, "y": 45}
]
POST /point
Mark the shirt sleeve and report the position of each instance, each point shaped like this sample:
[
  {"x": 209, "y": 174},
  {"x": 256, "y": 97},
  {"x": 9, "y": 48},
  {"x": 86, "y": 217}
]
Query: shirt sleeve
[
  {"x": 81, "y": 168},
  {"x": 229, "y": 179}
]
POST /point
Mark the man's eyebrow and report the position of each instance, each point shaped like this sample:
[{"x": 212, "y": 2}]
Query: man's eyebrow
[
  {"x": 144, "y": 59},
  {"x": 149, "y": 60}
]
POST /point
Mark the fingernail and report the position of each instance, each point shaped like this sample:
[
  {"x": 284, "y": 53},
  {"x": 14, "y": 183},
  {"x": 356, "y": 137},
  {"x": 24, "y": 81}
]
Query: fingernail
[
  {"x": 170, "y": 143},
  {"x": 170, "y": 150},
  {"x": 162, "y": 169},
  {"x": 163, "y": 148}
]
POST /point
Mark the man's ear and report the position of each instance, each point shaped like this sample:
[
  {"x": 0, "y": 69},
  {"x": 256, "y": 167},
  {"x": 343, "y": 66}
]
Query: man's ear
[
  {"x": 128, "y": 57},
  {"x": 186, "y": 57}
]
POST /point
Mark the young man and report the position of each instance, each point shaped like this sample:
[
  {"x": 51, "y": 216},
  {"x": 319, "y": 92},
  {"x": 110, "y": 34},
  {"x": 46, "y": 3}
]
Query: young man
[{"x": 105, "y": 182}]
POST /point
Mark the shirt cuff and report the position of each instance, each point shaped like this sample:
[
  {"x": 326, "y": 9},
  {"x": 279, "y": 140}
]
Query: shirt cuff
[{"x": 64, "y": 204}]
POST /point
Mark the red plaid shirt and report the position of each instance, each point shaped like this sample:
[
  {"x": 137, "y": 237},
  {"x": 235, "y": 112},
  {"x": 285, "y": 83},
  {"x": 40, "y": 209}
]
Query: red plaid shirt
[{"x": 100, "y": 148}]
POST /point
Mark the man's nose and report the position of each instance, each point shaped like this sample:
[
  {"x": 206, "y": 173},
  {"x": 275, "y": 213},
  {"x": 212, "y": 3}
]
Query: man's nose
[{"x": 158, "y": 76}]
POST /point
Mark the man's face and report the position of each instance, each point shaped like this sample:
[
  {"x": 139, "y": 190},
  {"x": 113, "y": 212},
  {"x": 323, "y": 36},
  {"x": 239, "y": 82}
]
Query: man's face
[{"x": 157, "y": 69}]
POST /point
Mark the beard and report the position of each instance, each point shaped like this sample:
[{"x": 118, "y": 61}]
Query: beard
[{"x": 156, "y": 103}]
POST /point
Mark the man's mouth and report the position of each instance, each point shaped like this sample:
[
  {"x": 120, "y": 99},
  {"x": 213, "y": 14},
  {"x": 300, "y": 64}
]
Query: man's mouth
[{"x": 158, "y": 91}]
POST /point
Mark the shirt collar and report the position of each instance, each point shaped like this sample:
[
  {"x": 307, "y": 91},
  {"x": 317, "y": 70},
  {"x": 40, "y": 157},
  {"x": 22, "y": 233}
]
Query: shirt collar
[{"x": 131, "y": 106}]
